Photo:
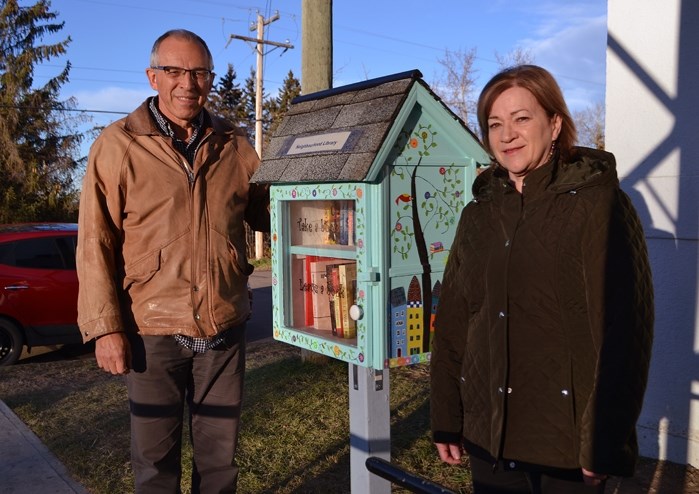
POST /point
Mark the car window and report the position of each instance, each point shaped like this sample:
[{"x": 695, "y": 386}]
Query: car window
[
  {"x": 67, "y": 248},
  {"x": 39, "y": 253}
]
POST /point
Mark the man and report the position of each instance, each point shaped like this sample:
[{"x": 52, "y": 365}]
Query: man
[{"x": 163, "y": 270}]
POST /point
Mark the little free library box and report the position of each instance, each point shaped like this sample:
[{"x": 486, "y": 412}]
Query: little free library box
[{"x": 367, "y": 186}]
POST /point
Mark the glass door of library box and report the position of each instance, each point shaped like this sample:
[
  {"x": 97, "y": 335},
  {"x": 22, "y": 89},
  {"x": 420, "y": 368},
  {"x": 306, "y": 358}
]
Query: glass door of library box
[{"x": 321, "y": 285}]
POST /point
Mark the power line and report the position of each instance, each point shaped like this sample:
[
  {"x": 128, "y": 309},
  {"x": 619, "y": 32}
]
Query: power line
[{"x": 61, "y": 108}]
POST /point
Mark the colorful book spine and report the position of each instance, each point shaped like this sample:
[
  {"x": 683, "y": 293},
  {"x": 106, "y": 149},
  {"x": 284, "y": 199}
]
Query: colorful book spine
[
  {"x": 350, "y": 223},
  {"x": 334, "y": 303},
  {"x": 319, "y": 290},
  {"x": 348, "y": 282},
  {"x": 343, "y": 227},
  {"x": 308, "y": 287}
]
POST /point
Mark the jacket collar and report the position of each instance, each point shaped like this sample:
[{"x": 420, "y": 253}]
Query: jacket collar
[
  {"x": 585, "y": 168},
  {"x": 141, "y": 122}
]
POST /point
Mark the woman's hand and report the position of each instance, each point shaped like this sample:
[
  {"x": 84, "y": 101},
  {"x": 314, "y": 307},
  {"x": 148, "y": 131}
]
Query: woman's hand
[
  {"x": 449, "y": 453},
  {"x": 592, "y": 478}
]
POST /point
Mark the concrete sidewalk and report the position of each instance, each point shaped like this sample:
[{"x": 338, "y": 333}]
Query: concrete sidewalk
[{"x": 26, "y": 465}]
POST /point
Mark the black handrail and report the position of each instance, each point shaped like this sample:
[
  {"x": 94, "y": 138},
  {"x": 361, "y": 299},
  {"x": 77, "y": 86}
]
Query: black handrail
[{"x": 398, "y": 476}]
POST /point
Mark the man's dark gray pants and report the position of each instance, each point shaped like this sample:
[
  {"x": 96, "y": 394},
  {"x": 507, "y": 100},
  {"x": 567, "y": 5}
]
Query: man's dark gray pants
[{"x": 165, "y": 376}]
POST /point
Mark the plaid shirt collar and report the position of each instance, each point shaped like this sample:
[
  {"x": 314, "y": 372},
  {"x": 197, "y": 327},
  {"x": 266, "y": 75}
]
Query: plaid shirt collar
[{"x": 188, "y": 147}]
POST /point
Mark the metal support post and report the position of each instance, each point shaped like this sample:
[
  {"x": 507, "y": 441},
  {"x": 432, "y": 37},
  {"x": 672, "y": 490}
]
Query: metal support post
[{"x": 370, "y": 427}]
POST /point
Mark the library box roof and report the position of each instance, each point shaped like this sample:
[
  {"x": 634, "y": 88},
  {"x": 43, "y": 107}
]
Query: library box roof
[{"x": 346, "y": 134}]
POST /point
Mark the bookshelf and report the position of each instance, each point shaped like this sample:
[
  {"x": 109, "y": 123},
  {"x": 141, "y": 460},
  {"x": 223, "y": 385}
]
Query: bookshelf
[
  {"x": 320, "y": 238},
  {"x": 322, "y": 251}
]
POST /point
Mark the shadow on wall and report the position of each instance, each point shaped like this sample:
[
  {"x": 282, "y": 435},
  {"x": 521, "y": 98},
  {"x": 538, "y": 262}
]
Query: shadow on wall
[{"x": 670, "y": 416}]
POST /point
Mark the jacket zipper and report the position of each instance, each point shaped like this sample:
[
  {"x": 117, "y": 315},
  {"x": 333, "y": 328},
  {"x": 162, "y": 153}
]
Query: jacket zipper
[
  {"x": 195, "y": 228},
  {"x": 509, "y": 242}
]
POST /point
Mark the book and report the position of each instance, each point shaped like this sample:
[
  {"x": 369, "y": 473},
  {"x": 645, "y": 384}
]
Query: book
[
  {"x": 343, "y": 229},
  {"x": 330, "y": 224},
  {"x": 350, "y": 223},
  {"x": 333, "y": 277},
  {"x": 301, "y": 296},
  {"x": 348, "y": 283},
  {"x": 319, "y": 293},
  {"x": 308, "y": 287}
]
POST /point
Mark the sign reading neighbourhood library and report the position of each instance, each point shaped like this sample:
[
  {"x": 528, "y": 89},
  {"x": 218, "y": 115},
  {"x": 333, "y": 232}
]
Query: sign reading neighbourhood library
[{"x": 319, "y": 143}]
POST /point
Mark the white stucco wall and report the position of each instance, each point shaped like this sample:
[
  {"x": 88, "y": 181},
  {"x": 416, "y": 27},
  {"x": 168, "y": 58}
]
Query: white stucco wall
[{"x": 652, "y": 126}]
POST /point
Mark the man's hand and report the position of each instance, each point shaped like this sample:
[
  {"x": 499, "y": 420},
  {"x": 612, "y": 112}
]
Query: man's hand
[
  {"x": 113, "y": 353},
  {"x": 449, "y": 453}
]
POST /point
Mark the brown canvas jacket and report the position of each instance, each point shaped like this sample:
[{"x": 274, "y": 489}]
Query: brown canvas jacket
[
  {"x": 545, "y": 322},
  {"x": 158, "y": 252}
]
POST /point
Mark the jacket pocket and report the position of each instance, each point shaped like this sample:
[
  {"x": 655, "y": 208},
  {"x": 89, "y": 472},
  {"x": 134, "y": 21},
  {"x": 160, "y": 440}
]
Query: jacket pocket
[
  {"x": 240, "y": 261},
  {"x": 142, "y": 270}
]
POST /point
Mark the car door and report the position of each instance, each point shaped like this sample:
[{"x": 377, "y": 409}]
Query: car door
[{"x": 39, "y": 283}]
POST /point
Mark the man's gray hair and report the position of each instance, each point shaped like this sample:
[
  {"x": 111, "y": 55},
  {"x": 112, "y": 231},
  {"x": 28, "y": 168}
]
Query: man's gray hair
[{"x": 181, "y": 34}]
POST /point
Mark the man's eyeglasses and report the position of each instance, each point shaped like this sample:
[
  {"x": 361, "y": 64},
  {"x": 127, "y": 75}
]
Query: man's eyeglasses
[{"x": 200, "y": 75}]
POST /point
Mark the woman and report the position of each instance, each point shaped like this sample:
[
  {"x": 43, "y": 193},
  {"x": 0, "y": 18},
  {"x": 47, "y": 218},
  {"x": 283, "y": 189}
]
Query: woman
[{"x": 544, "y": 327}]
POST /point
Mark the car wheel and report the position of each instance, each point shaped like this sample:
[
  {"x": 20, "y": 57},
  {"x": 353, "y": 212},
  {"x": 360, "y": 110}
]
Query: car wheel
[{"x": 11, "y": 342}]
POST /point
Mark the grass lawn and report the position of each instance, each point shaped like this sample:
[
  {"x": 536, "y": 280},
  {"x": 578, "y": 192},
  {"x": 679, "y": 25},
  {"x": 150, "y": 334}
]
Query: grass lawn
[
  {"x": 295, "y": 424},
  {"x": 295, "y": 431}
]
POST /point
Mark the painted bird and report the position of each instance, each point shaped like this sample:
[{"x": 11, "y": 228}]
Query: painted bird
[{"x": 403, "y": 198}]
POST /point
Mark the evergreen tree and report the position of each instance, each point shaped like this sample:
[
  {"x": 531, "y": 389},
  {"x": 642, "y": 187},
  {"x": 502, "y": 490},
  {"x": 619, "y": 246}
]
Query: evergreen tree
[
  {"x": 278, "y": 107},
  {"x": 38, "y": 143},
  {"x": 227, "y": 101}
]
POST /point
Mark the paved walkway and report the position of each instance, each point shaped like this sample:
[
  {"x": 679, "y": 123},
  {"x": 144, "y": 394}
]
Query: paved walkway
[{"x": 26, "y": 465}]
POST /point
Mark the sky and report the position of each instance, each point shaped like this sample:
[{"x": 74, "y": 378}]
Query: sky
[{"x": 112, "y": 39}]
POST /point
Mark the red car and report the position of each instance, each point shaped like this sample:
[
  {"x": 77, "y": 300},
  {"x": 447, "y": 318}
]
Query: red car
[{"x": 38, "y": 287}]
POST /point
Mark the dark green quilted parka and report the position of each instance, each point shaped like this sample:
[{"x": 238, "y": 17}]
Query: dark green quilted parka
[{"x": 544, "y": 327}]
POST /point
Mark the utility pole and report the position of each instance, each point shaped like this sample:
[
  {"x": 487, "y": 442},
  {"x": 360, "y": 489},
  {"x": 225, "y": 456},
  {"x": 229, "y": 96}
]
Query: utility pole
[
  {"x": 260, "y": 43},
  {"x": 316, "y": 45}
]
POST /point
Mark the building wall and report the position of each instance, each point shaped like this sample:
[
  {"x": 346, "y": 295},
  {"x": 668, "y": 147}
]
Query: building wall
[{"x": 652, "y": 126}]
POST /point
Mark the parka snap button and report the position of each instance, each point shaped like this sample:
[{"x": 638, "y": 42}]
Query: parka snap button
[
  {"x": 501, "y": 314},
  {"x": 507, "y": 243},
  {"x": 512, "y": 464},
  {"x": 463, "y": 379},
  {"x": 564, "y": 392},
  {"x": 197, "y": 316}
]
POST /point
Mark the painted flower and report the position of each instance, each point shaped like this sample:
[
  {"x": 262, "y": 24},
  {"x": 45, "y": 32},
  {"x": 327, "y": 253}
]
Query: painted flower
[
  {"x": 427, "y": 195},
  {"x": 314, "y": 192},
  {"x": 413, "y": 143},
  {"x": 274, "y": 280},
  {"x": 334, "y": 191},
  {"x": 359, "y": 193},
  {"x": 274, "y": 237},
  {"x": 442, "y": 171},
  {"x": 361, "y": 357},
  {"x": 399, "y": 227},
  {"x": 360, "y": 243},
  {"x": 336, "y": 351},
  {"x": 424, "y": 134},
  {"x": 293, "y": 193},
  {"x": 361, "y": 293}
]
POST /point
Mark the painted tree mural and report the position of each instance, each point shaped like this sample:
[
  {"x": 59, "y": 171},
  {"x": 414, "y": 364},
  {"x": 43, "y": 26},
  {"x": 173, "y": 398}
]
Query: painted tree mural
[{"x": 435, "y": 208}]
